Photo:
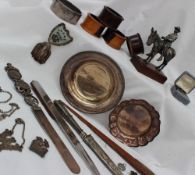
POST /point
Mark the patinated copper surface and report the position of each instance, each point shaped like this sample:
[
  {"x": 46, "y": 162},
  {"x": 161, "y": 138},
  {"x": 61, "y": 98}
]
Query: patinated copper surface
[
  {"x": 114, "y": 38},
  {"x": 93, "y": 25},
  {"x": 134, "y": 122},
  {"x": 92, "y": 82}
]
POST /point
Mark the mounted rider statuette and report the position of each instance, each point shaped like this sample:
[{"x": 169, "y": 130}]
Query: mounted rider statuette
[{"x": 161, "y": 46}]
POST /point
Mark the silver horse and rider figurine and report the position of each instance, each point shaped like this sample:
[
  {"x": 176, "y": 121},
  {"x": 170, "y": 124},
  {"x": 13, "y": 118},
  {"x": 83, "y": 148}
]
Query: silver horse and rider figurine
[{"x": 162, "y": 46}]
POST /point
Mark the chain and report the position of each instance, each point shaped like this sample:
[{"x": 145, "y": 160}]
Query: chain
[
  {"x": 6, "y": 92},
  {"x": 8, "y": 142}
]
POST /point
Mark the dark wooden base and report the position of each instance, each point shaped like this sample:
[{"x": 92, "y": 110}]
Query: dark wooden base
[{"x": 148, "y": 69}]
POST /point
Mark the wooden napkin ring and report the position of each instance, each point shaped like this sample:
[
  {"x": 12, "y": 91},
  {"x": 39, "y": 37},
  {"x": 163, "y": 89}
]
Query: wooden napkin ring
[
  {"x": 135, "y": 44},
  {"x": 93, "y": 25},
  {"x": 114, "y": 38},
  {"x": 110, "y": 18}
]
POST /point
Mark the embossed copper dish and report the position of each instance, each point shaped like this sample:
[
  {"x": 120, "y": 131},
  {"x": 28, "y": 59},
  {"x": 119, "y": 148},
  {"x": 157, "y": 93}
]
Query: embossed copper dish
[
  {"x": 92, "y": 82},
  {"x": 134, "y": 122}
]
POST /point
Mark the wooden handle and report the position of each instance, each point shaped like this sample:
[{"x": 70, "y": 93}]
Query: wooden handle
[{"x": 136, "y": 164}]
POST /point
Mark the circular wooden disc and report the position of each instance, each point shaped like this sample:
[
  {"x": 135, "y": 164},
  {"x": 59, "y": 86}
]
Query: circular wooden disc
[
  {"x": 134, "y": 122},
  {"x": 92, "y": 82}
]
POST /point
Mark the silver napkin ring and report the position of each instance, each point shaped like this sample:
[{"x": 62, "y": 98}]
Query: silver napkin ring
[{"x": 66, "y": 11}]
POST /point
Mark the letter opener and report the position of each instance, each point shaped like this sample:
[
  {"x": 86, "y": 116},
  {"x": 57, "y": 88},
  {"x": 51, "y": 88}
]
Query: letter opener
[
  {"x": 24, "y": 89},
  {"x": 58, "y": 118},
  {"x": 89, "y": 140}
]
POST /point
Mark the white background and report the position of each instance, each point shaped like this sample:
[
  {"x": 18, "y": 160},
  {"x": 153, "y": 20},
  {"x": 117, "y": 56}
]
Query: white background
[{"x": 23, "y": 23}]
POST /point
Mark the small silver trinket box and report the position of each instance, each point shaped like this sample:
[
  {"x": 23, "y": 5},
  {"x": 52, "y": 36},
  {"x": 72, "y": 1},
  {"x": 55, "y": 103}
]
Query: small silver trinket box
[{"x": 183, "y": 85}]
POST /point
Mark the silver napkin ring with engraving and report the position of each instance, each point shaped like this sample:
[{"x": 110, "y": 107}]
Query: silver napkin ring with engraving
[{"x": 66, "y": 11}]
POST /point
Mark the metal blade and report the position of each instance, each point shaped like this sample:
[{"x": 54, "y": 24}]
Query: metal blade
[
  {"x": 62, "y": 149},
  {"x": 95, "y": 147},
  {"x": 81, "y": 151},
  {"x": 56, "y": 115}
]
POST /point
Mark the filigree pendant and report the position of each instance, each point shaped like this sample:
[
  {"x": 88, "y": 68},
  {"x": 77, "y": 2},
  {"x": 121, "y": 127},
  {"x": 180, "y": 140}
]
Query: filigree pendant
[
  {"x": 59, "y": 36},
  {"x": 8, "y": 142}
]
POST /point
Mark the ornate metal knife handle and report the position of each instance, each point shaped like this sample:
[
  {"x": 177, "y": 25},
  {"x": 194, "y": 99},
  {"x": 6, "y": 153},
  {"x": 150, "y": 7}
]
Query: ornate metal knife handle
[
  {"x": 22, "y": 87},
  {"x": 89, "y": 140}
]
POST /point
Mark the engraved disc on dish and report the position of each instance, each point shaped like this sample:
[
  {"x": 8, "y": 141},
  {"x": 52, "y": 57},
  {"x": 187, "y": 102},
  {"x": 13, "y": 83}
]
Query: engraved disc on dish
[
  {"x": 92, "y": 82},
  {"x": 134, "y": 122}
]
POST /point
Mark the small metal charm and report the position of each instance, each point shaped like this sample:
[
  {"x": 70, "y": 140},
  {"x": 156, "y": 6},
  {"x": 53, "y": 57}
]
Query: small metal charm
[
  {"x": 122, "y": 166},
  {"x": 39, "y": 146},
  {"x": 183, "y": 85},
  {"x": 132, "y": 173},
  {"x": 8, "y": 142},
  {"x": 59, "y": 36}
]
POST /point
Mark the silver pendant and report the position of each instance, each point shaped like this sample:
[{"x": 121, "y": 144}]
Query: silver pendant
[{"x": 8, "y": 142}]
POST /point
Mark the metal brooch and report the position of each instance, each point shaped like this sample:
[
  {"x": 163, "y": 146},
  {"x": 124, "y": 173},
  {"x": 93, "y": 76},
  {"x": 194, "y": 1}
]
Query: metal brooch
[
  {"x": 122, "y": 166},
  {"x": 8, "y": 142},
  {"x": 59, "y": 36},
  {"x": 39, "y": 146}
]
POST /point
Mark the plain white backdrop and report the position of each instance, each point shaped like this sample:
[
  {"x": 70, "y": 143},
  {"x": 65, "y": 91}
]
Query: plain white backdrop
[{"x": 24, "y": 23}]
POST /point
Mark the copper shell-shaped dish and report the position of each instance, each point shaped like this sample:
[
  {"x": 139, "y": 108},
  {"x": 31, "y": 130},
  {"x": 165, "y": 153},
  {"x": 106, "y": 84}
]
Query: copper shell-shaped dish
[
  {"x": 134, "y": 122},
  {"x": 92, "y": 82}
]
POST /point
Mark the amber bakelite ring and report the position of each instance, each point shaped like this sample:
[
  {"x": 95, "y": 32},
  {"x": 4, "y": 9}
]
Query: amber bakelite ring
[
  {"x": 135, "y": 44},
  {"x": 110, "y": 18},
  {"x": 93, "y": 25},
  {"x": 114, "y": 38}
]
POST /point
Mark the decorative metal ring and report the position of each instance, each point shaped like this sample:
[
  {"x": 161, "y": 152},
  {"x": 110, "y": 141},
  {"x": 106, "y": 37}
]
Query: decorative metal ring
[
  {"x": 66, "y": 11},
  {"x": 135, "y": 44},
  {"x": 110, "y": 18},
  {"x": 93, "y": 25},
  {"x": 114, "y": 38}
]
